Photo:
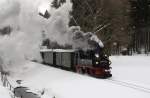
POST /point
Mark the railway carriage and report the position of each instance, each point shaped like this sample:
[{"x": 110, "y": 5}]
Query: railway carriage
[{"x": 61, "y": 58}]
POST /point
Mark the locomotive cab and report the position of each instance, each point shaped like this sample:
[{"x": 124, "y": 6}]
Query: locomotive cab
[{"x": 94, "y": 63}]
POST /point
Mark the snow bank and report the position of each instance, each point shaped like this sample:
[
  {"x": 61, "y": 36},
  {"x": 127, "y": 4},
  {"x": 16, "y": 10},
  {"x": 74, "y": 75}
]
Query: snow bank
[
  {"x": 64, "y": 84},
  {"x": 4, "y": 93}
]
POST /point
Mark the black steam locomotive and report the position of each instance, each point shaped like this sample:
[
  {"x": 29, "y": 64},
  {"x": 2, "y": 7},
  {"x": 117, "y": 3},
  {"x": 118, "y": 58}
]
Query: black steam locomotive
[{"x": 91, "y": 62}]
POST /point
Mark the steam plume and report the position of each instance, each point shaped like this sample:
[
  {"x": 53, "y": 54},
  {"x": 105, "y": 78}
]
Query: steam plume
[{"x": 23, "y": 43}]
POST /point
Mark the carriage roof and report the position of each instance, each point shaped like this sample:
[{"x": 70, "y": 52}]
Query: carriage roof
[{"x": 57, "y": 50}]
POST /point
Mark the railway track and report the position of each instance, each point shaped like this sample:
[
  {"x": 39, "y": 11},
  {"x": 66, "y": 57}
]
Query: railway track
[{"x": 130, "y": 85}]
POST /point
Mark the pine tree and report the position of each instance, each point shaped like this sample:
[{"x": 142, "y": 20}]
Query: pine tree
[{"x": 57, "y": 3}]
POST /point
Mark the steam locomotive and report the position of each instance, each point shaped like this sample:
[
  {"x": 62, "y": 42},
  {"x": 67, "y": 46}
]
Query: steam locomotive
[{"x": 92, "y": 62}]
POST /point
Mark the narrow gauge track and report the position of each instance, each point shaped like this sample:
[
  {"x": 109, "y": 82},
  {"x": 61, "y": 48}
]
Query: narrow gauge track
[{"x": 129, "y": 85}]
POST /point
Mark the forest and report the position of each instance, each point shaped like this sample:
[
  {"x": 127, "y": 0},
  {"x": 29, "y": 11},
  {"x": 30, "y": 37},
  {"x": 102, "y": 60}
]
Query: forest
[{"x": 122, "y": 25}]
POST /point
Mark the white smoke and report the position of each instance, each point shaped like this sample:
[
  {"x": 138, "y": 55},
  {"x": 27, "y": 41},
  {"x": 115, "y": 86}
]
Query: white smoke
[
  {"x": 23, "y": 43},
  {"x": 58, "y": 29},
  {"x": 8, "y": 8}
]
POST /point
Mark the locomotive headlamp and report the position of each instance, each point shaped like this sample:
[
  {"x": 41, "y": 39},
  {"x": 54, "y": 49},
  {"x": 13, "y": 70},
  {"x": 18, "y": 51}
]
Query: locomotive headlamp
[
  {"x": 97, "y": 62},
  {"x": 97, "y": 55},
  {"x": 106, "y": 55}
]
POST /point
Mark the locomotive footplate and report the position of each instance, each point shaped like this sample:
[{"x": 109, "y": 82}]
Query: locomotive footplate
[{"x": 92, "y": 71}]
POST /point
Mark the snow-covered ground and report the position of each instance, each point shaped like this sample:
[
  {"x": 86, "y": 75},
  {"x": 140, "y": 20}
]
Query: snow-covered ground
[
  {"x": 134, "y": 69},
  {"x": 4, "y": 93},
  {"x": 65, "y": 84},
  {"x": 126, "y": 70}
]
